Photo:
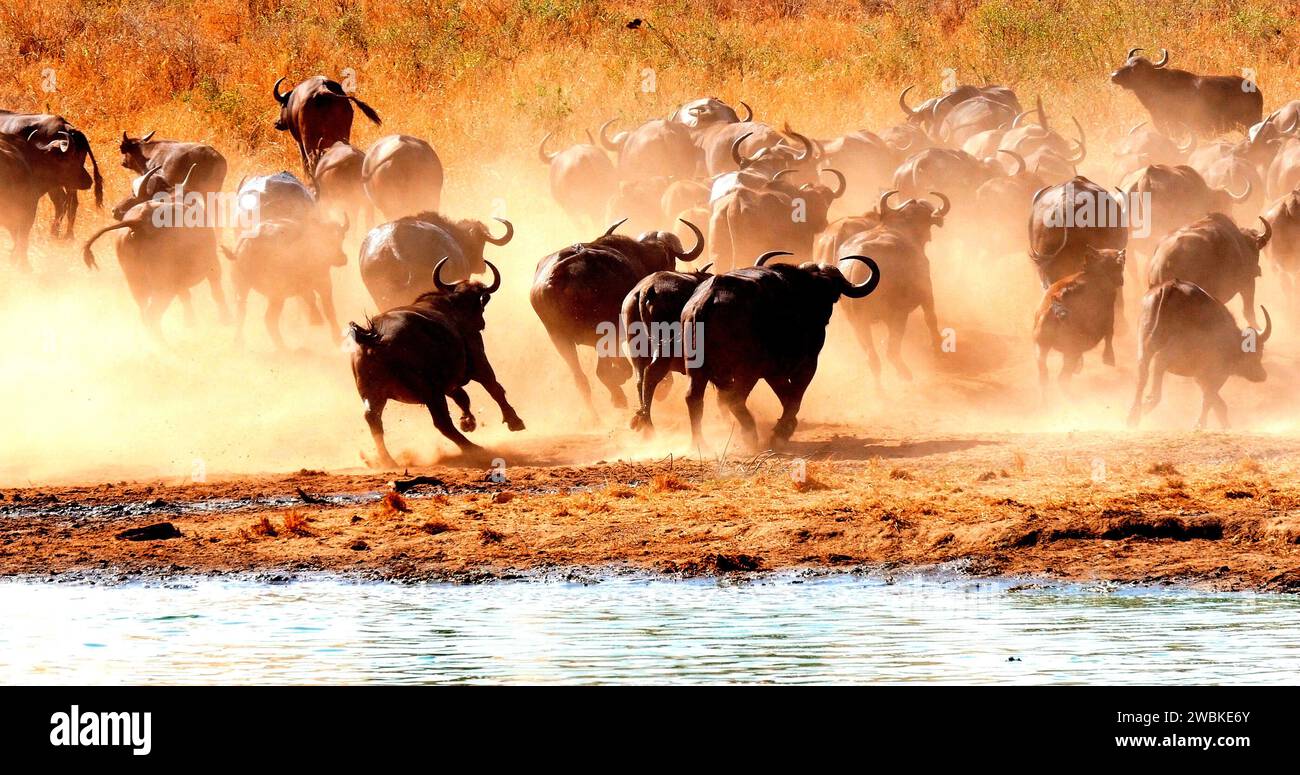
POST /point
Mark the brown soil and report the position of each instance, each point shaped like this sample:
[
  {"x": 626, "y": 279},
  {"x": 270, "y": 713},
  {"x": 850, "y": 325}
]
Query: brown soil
[{"x": 1219, "y": 510}]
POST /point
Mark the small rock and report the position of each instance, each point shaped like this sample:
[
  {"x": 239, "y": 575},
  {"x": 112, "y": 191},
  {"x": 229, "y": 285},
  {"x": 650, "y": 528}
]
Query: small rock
[
  {"x": 359, "y": 546},
  {"x": 503, "y": 497}
]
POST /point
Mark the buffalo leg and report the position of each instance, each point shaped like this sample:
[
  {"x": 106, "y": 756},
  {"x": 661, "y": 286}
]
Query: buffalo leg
[
  {"x": 1248, "y": 305},
  {"x": 1210, "y": 399},
  {"x": 734, "y": 397},
  {"x": 241, "y": 309},
  {"x": 58, "y": 198},
  {"x": 486, "y": 377},
  {"x": 1143, "y": 369},
  {"x": 1071, "y": 363},
  {"x": 862, "y": 330},
  {"x": 695, "y": 404},
  {"x": 932, "y": 324},
  {"x": 791, "y": 394},
  {"x": 188, "y": 304},
  {"x": 442, "y": 421},
  {"x": 896, "y": 323},
  {"x": 1043, "y": 352},
  {"x": 1159, "y": 365},
  {"x": 569, "y": 352},
  {"x": 314, "y": 317},
  {"x": 467, "y": 421},
  {"x": 647, "y": 382},
  {"x": 325, "y": 293},
  {"x": 608, "y": 372},
  {"x": 274, "y": 306},
  {"x": 375, "y": 419},
  {"x": 71, "y": 205}
]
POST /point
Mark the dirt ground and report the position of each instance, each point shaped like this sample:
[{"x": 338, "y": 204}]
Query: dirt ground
[{"x": 1210, "y": 509}]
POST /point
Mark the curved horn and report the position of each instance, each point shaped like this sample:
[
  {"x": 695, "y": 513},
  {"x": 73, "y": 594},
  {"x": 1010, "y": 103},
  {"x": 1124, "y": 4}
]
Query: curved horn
[
  {"x": 807, "y": 145},
  {"x": 613, "y": 226},
  {"x": 884, "y": 207},
  {"x": 907, "y": 147},
  {"x": 1130, "y": 53},
  {"x": 541, "y": 151},
  {"x": 709, "y": 266},
  {"x": 1020, "y": 161},
  {"x": 749, "y": 112},
  {"x": 1243, "y": 196},
  {"x": 902, "y": 102},
  {"x": 590, "y": 140},
  {"x": 615, "y": 144},
  {"x": 147, "y": 137},
  {"x": 443, "y": 286},
  {"x": 1268, "y": 326},
  {"x": 1082, "y": 143},
  {"x": 1295, "y": 124},
  {"x": 1266, "y": 234},
  {"x": 763, "y": 259},
  {"x": 740, "y": 161},
  {"x": 866, "y": 286},
  {"x": 186, "y": 182},
  {"x": 1164, "y": 58},
  {"x": 1136, "y": 127},
  {"x": 776, "y": 176},
  {"x": 496, "y": 278},
  {"x": 1187, "y": 147},
  {"x": 947, "y": 205},
  {"x": 504, "y": 238},
  {"x": 844, "y": 183},
  {"x": 694, "y": 252},
  {"x": 275, "y": 90}
]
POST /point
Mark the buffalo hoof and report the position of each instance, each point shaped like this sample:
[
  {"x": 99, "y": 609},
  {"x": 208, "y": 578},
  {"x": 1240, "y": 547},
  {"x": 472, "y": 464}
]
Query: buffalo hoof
[
  {"x": 641, "y": 422},
  {"x": 468, "y": 423},
  {"x": 515, "y": 424},
  {"x": 1108, "y": 359}
]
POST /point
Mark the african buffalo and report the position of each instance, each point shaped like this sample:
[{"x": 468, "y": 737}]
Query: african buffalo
[
  {"x": 583, "y": 180},
  {"x": 424, "y": 353},
  {"x": 1284, "y": 248},
  {"x": 402, "y": 176},
  {"x": 1177, "y": 196},
  {"x": 281, "y": 259},
  {"x": 761, "y": 322},
  {"x": 746, "y": 222},
  {"x": 1208, "y": 104},
  {"x": 1000, "y": 204},
  {"x": 1284, "y": 169},
  {"x": 340, "y": 190},
  {"x": 1217, "y": 255},
  {"x": 578, "y": 294},
  {"x": 1145, "y": 145},
  {"x": 317, "y": 113},
  {"x": 1077, "y": 312},
  {"x": 56, "y": 153},
  {"x": 897, "y": 243},
  {"x": 19, "y": 195},
  {"x": 1189, "y": 332},
  {"x": 163, "y": 255},
  {"x": 655, "y": 148},
  {"x": 398, "y": 258},
  {"x": 934, "y": 112},
  {"x": 650, "y": 328},
  {"x": 1067, "y": 219},
  {"x": 203, "y": 164}
]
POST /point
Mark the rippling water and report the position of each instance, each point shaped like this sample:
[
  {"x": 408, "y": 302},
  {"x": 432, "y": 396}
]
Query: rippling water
[{"x": 839, "y": 629}]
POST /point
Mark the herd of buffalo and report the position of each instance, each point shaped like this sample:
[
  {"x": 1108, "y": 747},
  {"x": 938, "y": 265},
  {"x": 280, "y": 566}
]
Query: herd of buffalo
[{"x": 749, "y": 235}]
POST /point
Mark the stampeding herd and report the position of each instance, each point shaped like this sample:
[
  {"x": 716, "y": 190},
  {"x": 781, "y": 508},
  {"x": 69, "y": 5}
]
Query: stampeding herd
[{"x": 784, "y": 228}]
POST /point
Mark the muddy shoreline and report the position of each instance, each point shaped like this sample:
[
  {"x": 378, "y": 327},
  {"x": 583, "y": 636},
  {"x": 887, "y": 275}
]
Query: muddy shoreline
[{"x": 1064, "y": 507}]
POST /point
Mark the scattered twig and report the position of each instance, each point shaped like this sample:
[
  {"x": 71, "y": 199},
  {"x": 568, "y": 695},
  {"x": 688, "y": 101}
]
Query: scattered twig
[{"x": 402, "y": 485}]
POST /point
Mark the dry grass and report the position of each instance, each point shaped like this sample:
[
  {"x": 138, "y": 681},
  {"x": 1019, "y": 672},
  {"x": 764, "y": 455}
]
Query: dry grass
[
  {"x": 475, "y": 75},
  {"x": 263, "y": 527},
  {"x": 295, "y": 524},
  {"x": 393, "y": 504}
]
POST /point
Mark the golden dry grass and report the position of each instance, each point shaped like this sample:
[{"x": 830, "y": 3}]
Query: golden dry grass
[{"x": 475, "y": 76}]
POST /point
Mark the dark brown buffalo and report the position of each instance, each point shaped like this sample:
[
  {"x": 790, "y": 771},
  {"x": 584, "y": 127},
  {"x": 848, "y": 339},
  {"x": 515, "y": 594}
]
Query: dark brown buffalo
[
  {"x": 402, "y": 176},
  {"x": 1177, "y": 196},
  {"x": 202, "y": 164},
  {"x": 148, "y": 186},
  {"x": 317, "y": 113},
  {"x": 424, "y": 353},
  {"x": 897, "y": 243},
  {"x": 583, "y": 180},
  {"x": 163, "y": 255},
  {"x": 1208, "y": 104},
  {"x": 398, "y": 258},
  {"x": 1217, "y": 255},
  {"x": 650, "y": 328},
  {"x": 746, "y": 222},
  {"x": 281, "y": 259},
  {"x": 578, "y": 294},
  {"x": 656, "y": 148},
  {"x": 949, "y": 170},
  {"x": 868, "y": 163},
  {"x": 19, "y": 194},
  {"x": 717, "y": 143},
  {"x": 1284, "y": 247},
  {"x": 56, "y": 153},
  {"x": 340, "y": 188},
  {"x": 1186, "y": 331},
  {"x": 1066, "y": 220},
  {"x": 761, "y": 322},
  {"x": 1077, "y": 312}
]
